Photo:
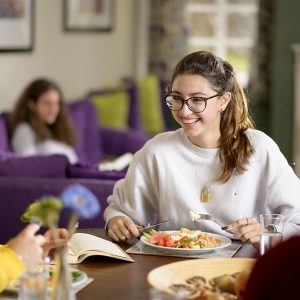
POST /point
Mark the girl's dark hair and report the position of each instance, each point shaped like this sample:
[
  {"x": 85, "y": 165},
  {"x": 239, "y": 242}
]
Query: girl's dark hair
[
  {"x": 62, "y": 130},
  {"x": 235, "y": 147}
]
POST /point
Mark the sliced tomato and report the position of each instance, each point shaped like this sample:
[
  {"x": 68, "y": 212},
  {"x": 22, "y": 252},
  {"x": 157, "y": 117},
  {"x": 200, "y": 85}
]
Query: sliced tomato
[
  {"x": 169, "y": 242},
  {"x": 155, "y": 238},
  {"x": 161, "y": 242}
]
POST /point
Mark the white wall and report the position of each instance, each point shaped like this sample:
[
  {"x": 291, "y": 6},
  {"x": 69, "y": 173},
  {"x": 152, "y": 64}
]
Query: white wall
[{"x": 77, "y": 61}]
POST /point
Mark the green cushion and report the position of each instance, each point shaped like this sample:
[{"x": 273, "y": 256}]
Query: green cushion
[
  {"x": 112, "y": 109},
  {"x": 150, "y": 104}
]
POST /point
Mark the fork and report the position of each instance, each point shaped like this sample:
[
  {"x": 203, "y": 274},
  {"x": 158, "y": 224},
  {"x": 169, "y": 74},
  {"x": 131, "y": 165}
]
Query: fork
[
  {"x": 206, "y": 217},
  {"x": 142, "y": 228}
]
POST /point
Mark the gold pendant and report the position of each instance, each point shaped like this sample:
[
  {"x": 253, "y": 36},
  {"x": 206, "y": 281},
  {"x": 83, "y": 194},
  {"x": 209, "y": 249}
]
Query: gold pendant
[{"x": 205, "y": 195}]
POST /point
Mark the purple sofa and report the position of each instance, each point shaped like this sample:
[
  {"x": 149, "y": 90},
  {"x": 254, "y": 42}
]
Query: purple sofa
[{"x": 22, "y": 180}]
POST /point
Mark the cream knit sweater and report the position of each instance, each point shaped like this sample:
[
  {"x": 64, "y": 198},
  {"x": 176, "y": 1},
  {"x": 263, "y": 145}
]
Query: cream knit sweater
[{"x": 166, "y": 176}]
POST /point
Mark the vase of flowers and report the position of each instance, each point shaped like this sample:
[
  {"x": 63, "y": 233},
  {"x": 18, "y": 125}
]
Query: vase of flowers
[{"x": 82, "y": 204}]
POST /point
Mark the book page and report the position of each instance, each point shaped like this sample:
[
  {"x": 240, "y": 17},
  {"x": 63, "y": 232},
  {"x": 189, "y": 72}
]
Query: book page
[{"x": 82, "y": 243}]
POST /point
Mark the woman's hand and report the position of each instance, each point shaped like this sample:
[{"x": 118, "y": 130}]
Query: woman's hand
[
  {"x": 247, "y": 230},
  {"x": 122, "y": 228},
  {"x": 28, "y": 246},
  {"x": 51, "y": 244}
]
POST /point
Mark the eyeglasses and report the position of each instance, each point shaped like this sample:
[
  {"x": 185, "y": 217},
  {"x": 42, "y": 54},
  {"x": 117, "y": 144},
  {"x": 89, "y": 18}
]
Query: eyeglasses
[{"x": 195, "y": 104}]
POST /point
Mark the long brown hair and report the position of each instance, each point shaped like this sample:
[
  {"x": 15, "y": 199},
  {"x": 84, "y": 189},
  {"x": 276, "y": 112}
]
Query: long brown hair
[
  {"x": 235, "y": 147},
  {"x": 62, "y": 130}
]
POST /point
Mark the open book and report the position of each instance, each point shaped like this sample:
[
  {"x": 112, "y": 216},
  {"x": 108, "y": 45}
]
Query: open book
[{"x": 83, "y": 245}]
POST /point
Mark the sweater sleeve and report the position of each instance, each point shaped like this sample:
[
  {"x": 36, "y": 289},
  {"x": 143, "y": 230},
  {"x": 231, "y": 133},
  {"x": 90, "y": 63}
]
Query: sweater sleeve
[
  {"x": 134, "y": 196},
  {"x": 283, "y": 191},
  {"x": 23, "y": 140},
  {"x": 10, "y": 266}
]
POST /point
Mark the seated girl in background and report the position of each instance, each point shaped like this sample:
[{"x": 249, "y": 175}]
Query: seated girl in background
[{"x": 40, "y": 124}]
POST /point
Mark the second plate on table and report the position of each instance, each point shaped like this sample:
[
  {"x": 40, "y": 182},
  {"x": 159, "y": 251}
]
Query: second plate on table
[
  {"x": 225, "y": 242},
  {"x": 177, "y": 273},
  {"x": 78, "y": 278}
]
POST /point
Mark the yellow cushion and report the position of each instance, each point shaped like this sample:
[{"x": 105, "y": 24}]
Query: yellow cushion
[
  {"x": 150, "y": 104},
  {"x": 112, "y": 108}
]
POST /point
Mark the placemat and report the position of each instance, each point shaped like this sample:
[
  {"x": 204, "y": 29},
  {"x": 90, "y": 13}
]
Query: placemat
[{"x": 141, "y": 248}]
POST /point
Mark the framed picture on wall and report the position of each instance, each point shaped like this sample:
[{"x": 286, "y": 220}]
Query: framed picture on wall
[
  {"x": 16, "y": 25},
  {"x": 88, "y": 15}
]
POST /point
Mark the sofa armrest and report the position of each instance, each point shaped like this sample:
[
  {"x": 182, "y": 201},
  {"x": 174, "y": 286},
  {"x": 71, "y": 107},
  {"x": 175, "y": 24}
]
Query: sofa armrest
[
  {"x": 117, "y": 142},
  {"x": 34, "y": 166},
  {"x": 18, "y": 192}
]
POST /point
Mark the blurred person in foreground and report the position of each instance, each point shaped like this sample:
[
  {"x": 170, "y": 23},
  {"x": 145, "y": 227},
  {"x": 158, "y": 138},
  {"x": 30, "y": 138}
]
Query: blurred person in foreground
[
  {"x": 276, "y": 274},
  {"x": 25, "y": 251}
]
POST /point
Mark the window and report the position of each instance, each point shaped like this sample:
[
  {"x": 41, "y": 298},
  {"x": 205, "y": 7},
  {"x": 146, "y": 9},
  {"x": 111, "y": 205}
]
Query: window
[{"x": 227, "y": 28}]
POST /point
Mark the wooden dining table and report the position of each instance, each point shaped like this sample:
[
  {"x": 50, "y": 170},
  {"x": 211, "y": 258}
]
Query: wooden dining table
[{"x": 116, "y": 279}]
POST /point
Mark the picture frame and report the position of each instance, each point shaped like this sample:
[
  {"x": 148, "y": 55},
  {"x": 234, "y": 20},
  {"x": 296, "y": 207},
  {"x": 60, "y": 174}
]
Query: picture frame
[
  {"x": 88, "y": 15},
  {"x": 16, "y": 25}
]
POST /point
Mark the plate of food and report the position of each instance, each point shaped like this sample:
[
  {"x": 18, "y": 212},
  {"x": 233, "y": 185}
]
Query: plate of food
[
  {"x": 203, "y": 278},
  {"x": 78, "y": 277},
  {"x": 185, "y": 241}
]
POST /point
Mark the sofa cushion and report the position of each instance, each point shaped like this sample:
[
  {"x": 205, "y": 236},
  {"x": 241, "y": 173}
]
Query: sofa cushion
[
  {"x": 150, "y": 104},
  {"x": 33, "y": 166},
  {"x": 112, "y": 108},
  {"x": 128, "y": 111},
  {"x": 89, "y": 147}
]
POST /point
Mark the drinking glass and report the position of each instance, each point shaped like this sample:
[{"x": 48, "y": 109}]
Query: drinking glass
[
  {"x": 272, "y": 226},
  {"x": 33, "y": 286}
]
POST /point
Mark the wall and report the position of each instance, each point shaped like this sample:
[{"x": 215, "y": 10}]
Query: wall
[
  {"x": 77, "y": 61},
  {"x": 287, "y": 32}
]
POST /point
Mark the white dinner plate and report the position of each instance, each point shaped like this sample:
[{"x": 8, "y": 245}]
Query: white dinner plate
[
  {"x": 75, "y": 283},
  {"x": 225, "y": 242}
]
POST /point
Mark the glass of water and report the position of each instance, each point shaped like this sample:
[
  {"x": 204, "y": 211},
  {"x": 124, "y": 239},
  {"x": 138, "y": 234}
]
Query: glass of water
[
  {"x": 33, "y": 286},
  {"x": 272, "y": 226}
]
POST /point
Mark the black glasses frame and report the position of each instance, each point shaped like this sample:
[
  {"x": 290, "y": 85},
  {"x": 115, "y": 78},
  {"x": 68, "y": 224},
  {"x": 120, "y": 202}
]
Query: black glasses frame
[{"x": 187, "y": 102}]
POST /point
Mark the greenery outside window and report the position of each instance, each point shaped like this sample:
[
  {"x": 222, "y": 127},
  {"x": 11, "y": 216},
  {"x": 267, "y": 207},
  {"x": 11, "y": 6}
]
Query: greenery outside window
[{"x": 226, "y": 27}]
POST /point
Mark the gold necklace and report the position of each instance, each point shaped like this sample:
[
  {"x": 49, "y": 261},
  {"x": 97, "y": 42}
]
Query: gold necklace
[
  {"x": 206, "y": 192},
  {"x": 205, "y": 195}
]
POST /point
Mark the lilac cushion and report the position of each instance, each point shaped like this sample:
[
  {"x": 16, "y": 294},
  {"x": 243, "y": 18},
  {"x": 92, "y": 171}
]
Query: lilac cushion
[
  {"x": 89, "y": 146},
  {"x": 34, "y": 166},
  {"x": 82, "y": 171},
  {"x": 117, "y": 142}
]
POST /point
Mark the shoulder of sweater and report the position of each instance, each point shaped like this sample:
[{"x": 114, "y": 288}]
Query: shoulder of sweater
[
  {"x": 162, "y": 139},
  {"x": 24, "y": 128},
  {"x": 260, "y": 140},
  {"x": 158, "y": 144}
]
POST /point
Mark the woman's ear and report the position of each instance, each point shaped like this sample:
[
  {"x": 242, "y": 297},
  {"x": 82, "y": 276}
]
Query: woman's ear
[{"x": 224, "y": 100}]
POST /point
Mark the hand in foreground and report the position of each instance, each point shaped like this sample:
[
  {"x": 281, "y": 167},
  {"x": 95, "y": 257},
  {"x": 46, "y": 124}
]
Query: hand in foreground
[
  {"x": 247, "y": 230},
  {"x": 51, "y": 244},
  {"x": 28, "y": 246},
  {"x": 122, "y": 228}
]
